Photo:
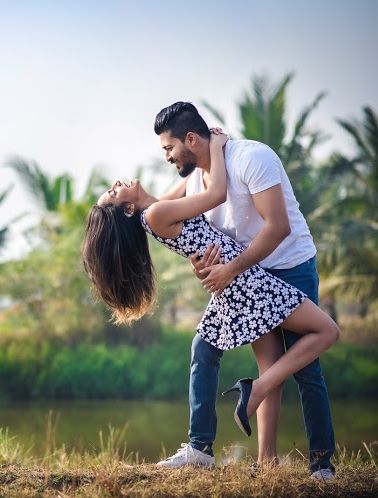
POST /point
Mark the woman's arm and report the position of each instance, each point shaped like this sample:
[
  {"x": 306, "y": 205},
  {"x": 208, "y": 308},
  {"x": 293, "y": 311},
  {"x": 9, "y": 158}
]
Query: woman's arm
[{"x": 162, "y": 216}]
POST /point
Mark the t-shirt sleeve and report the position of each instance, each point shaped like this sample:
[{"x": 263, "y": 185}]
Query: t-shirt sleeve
[{"x": 260, "y": 169}]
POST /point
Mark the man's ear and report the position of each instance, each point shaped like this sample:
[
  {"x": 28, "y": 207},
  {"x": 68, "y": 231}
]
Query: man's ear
[{"x": 191, "y": 139}]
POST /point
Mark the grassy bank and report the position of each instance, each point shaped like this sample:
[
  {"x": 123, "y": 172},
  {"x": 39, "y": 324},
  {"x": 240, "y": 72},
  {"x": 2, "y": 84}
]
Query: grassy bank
[
  {"x": 41, "y": 368},
  {"x": 112, "y": 472},
  {"x": 120, "y": 480}
]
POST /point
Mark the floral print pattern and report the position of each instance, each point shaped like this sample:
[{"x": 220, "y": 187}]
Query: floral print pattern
[{"x": 252, "y": 305}]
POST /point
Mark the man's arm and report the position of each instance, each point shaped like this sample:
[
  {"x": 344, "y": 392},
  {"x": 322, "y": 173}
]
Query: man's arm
[
  {"x": 176, "y": 192},
  {"x": 270, "y": 205}
]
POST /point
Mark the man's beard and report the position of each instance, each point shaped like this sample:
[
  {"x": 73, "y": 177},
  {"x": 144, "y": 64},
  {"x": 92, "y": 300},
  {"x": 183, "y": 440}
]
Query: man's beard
[{"x": 186, "y": 169}]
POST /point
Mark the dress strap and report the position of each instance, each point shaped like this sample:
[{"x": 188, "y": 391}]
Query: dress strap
[{"x": 144, "y": 222}]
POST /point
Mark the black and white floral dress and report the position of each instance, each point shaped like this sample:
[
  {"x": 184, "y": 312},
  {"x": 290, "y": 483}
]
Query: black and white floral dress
[{"x": 252, "y": 305}]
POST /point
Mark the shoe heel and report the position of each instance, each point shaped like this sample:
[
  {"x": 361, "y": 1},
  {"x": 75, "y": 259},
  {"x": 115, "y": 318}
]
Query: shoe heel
[{"x": 233, "y": 388}]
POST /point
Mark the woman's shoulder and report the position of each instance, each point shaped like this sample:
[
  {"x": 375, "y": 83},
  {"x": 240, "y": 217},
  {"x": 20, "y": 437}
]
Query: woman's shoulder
[{"x": 156, "y": 218}]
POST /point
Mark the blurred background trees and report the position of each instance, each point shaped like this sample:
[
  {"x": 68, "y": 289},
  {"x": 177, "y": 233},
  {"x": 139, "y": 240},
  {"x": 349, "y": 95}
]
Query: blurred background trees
[
  {"x": 338, "y": 197},
  {"x": 48, "y": 292}
]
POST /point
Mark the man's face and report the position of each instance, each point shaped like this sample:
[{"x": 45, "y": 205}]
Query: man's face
[{"x": 176, "y": 152}]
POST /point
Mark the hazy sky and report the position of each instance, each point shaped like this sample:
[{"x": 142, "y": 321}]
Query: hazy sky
[{"x": 81, "y": 81}]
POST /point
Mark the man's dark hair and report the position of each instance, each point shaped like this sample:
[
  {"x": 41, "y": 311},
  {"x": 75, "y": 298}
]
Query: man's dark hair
[{"x": 180, "y": 118}]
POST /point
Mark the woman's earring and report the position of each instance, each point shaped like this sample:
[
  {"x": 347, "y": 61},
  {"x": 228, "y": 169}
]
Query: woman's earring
[{"x": 129, "y": 210}]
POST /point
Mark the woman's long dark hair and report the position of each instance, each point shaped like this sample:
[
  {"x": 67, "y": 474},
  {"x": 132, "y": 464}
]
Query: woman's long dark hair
[{"x": 118, "y": 262}]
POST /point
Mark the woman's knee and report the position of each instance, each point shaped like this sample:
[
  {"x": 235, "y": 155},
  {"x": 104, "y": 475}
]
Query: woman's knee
[{"x": 333, "y": 333}]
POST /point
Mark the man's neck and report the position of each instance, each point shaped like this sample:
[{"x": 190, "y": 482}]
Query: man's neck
[{"x": 204, "y": 162}]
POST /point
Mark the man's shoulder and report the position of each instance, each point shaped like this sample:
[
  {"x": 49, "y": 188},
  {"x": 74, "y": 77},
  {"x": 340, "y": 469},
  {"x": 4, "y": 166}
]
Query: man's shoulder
[{"x": 241, "y": 151}]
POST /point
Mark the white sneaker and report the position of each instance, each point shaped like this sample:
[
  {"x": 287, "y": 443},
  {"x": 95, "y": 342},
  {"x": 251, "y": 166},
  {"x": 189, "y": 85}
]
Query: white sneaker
[
  {"x": 187, "y": 455},
  {"x": 323, "y": 475}
]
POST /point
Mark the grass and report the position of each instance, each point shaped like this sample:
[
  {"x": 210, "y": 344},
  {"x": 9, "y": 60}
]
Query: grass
[{"x": 113, "y": 473}]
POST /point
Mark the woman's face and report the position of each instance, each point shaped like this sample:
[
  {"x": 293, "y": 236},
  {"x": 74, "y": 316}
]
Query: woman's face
[{"x": 121, "y": 193}]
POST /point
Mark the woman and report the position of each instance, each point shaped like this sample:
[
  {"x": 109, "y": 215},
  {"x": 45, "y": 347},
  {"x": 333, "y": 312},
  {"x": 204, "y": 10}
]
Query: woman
[{"x": 116, "y": 257}]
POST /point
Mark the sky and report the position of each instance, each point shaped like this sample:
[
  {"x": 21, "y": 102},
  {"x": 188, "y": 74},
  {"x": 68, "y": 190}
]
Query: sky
[{"x": 81, "y": 81}]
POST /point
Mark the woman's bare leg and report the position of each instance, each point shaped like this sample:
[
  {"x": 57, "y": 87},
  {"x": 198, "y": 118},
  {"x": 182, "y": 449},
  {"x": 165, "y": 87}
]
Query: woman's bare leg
[
  {"x": 319, "y": 332},
  {"x": 268, "y": 349}
]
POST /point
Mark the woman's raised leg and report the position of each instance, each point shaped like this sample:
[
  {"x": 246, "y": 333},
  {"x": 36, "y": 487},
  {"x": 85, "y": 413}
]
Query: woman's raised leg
[{"x": 319, "y": 332}]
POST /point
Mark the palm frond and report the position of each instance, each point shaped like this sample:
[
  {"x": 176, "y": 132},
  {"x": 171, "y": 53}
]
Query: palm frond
[
  {"x": 33, "y": 179},
  {"x": 315, "y": 137},
  {"x": 3, "y": 236},
  {"x": 215, "y": 112},
  {"x": 354, "y": 132},
  {"x": 96, "y": 181},
  {"x": 277, "y": 109},
  {"x": 5, "y": 193},
  {"x": 371, "y": 129}
]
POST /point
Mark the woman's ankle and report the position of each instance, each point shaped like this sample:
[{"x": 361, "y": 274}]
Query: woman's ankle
[{"x": 268, "y": 460}]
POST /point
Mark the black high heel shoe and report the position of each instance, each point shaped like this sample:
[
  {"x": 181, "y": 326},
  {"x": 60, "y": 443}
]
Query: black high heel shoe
[{"x": 244, "y": 387}]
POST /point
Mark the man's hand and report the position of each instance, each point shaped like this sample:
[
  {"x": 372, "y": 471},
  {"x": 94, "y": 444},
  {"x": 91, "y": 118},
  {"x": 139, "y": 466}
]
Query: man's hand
[
  {"x": 218, "y": 277},
  {"x": 210, "y": 257}
]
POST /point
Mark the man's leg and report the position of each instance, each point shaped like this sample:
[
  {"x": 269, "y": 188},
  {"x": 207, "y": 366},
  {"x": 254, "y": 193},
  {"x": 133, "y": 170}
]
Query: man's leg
[
  {"x": 203, "y": 388},
  {"x": 311, "y": 385},
  {"x": 316, "y": 411}
]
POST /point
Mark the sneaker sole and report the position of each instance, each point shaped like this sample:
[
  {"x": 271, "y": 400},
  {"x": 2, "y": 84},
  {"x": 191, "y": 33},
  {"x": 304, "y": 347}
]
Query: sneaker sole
[{"x": 198, "y": 465}]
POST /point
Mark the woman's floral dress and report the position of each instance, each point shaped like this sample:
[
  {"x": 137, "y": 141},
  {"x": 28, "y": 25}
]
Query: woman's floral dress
[{"x": 253, "y": 304}]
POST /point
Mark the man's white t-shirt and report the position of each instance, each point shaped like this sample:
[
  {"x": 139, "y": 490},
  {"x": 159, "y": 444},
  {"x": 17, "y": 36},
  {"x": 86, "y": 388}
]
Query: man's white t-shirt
[{"x": 251, "y": 168}]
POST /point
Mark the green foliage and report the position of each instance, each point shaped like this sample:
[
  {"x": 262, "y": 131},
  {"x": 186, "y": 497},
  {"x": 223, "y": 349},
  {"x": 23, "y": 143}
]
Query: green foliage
[
  {"x": 4, "y": 229},
  {"x": 339, "y": 198},
  {"x": 262, "y": 111},
  {"x": 56, "y": 341},
  {"x": 348, "y": 234},
  {"x": 48, "y": 193},
  {"x": 32, "y": 369}
]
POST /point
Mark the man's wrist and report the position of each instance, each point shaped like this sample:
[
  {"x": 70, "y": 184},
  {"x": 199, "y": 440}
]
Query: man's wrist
[
  {"x": 233, "y": 269},
  {"x": 239, "y": 265}
]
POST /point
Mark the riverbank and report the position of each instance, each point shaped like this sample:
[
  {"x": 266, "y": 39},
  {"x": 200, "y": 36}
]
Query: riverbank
[
  {"x": 355, "y": 478},
  {"x": 113, "y": 471}
]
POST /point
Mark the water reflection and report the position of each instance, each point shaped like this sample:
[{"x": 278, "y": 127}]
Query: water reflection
[{"x": 154, "y": 427}]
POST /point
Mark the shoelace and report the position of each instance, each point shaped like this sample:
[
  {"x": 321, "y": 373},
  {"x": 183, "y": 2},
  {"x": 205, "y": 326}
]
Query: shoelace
[{"x": 185, "y": 447}]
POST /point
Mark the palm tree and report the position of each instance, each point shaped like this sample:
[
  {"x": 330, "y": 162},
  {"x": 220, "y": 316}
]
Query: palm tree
[
  {"x": 73, "y": 214},
  {"x": 55, "y": 195},
  {"x": 349, "y": 248},
  {"x": 4, "y": 230},
  {"x": 262, "y": 111},
  {"x": 363, "y": 168},
  {"x": 48, "y": 193}
]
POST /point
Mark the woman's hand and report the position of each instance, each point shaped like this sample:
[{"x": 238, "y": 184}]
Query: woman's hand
[
  {"x": 211, "y": 257},
  {"x": 217, "y": 137}
]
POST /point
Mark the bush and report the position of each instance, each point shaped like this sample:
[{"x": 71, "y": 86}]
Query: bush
[{"x": 32, "y": 369}]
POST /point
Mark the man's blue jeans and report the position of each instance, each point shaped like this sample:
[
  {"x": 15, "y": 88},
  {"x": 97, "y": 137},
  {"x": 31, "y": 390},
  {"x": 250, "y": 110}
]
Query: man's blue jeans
[{"x": 203, "y": 386}]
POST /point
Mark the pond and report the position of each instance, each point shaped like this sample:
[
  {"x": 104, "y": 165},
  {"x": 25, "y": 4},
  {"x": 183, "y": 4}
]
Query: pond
[{"x": 155, "y": 427}]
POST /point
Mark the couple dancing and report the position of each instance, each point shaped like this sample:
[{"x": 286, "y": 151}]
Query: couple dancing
[{"x": 253, "y": 252}]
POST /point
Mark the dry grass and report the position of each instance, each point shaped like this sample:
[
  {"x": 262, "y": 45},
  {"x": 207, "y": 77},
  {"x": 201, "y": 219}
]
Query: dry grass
[
  {"x": 234, "y": 480},
  {"x": 107, "y": 475},
  {"x": 113, "y": 473}
]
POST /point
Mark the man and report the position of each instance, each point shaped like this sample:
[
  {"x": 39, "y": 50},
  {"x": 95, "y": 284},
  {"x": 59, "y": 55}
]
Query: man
[{"x": 262, "y": 214}]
